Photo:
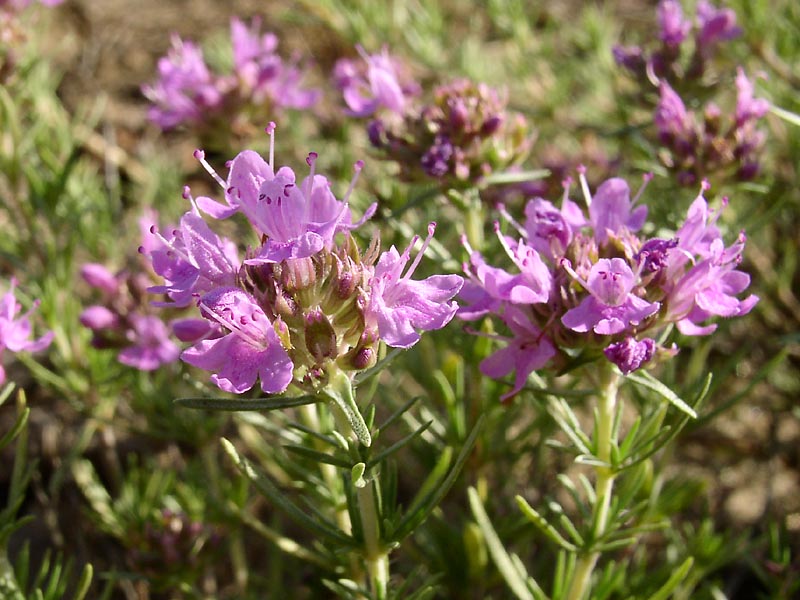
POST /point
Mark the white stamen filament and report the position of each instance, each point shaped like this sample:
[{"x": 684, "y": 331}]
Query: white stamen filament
[
  {"x": 201, "y": 157},
  {"x": 421, "y": 253},
  {"x": 647, "y": 178},
  {"x": 514, "y": 223},
  {"x": 587, "y": 195}
]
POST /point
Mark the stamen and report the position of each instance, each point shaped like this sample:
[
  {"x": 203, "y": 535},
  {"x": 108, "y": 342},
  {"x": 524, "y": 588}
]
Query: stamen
[
  {"x": 504, "y": 243},
  {"x": 646, "y": 178},
  {"x": 465, "y": 242},
  {"x": 514, "y": 223},
  {"x": 487, "y": 335},
  {"x": 567, "y": 266},
  {"x": 201, "y": 157},
  {"x": 421, "y": 253},
  {"x": 311, "y": 161},
  {"x": 357, "y": 168},
  {"x": 566, "y": 184},
  {"x": 270, "y": 129},
  {"x": 587, "y": 195}
]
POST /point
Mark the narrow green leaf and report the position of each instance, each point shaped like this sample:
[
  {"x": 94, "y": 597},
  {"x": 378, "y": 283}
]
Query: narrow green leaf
[
  {"x": 663, "y": 435},
  {"x": 515, "y": 176},
  {"x": 786, "y": 115},
  {"x": 317, "y": 456},
  {"x": 592, "y": 461},
  {"x": 239, "y": 404},
  {"x": 437, "y": 474},
  {"x": 644, "y": 379},
  {"x": 399, "y": 412},
  {"x": 674, "y": 581},
  {"x": 326, "y": 439},
  {"x": 515, "y": 581},
  {"x": 543, "y": 525},
  {"x": 22, "y": 419},
  {"x": 266, "y": 487},
  {"x": 6, "y": 392},
  {"x": 82, "y": 587},
  {"x": 397, "y": 445},
  {"x": 425, "y": 505}
]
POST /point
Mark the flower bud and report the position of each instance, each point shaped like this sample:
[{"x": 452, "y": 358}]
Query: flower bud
[
  {"x": 98, "y": 276},
  {"x": 98, "y": 317},
  {"x": 320, "y": 337},
  {"x": 191, "y": 330}
]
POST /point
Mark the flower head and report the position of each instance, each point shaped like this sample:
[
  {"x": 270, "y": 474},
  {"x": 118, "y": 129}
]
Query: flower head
[
  {"x": 261, "y": 83},
  {"x": 305, "y": 305},
  {"x": 608, "y": 288},
  {"x": 185, "y": 90}
]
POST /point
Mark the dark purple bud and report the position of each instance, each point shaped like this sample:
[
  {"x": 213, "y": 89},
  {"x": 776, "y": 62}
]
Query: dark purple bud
[
  {"x": 748, "y": 171},
  {"x": 364, "y": 358},
  {"x": 629, "y": 57},
  {"x": 435, "y": 162},
  {"x": 629, "y": 355},
  {"x": 346, "y": 284},
  {"x": 376, "y": 132},
  {"x": 492, "y": 125}
]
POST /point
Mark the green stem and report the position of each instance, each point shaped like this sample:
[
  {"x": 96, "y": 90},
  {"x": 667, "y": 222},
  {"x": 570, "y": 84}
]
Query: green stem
[
  {"x": 376, "y": 556},
  {"x": 604, "y": 484}
]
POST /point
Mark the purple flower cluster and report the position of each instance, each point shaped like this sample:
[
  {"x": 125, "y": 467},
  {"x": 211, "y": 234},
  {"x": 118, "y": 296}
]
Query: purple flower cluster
[
  {"x": 123, "y": 319},
  {"x": 16, "y": 330},
  {"x": 303, "y": 303},
  {"x": 187, "y": 92},
  {"x": 712, "y": 26},
  {"x": 459, "y": 137},
  {"x": 588, "y": 282},
  {"x": 703, "y": 143},
  {"x": 380, "y": 81},
  {"x": 694, "y": 145}
]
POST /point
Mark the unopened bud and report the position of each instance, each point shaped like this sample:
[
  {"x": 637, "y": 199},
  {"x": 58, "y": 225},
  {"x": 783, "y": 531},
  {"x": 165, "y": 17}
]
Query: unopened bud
[
  {"x": 320, "y": 337},
  {"x": 98, "y": 276}
]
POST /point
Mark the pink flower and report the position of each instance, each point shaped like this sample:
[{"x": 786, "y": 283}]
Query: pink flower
[
  {"x": 250, "y": 350},
  {"x": 610, "y": 308},
  {"x": 150, "y": 346},
  {"x": 528, "y": 350},
  {"x": 400, "y": 306},
  {"x": 379, "y": 87},
  {"x": 610, "y": 210},
  {"x": 16, "y": 331}
]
